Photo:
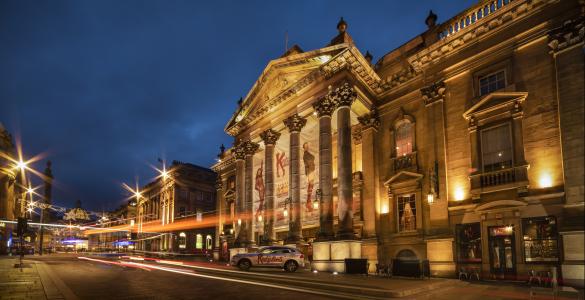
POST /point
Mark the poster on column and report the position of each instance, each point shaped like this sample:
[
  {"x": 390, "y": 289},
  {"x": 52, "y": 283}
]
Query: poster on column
[
  {"x": 281, "y": 169},
  {"x": 259, "y": 204},
  {"x": 309, "y": 171}
]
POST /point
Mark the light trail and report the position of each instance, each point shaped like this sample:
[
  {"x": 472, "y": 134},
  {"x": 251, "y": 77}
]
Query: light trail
[{"x": 124, "y": 264}]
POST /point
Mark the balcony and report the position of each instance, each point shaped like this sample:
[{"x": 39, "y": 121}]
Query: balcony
[
  {"x": 510, "y": 178},
  {"x": 405, "y": 162}
]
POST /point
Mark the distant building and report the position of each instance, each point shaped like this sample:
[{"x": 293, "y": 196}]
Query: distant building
[
  {"x": 463, "y": 147},
  {"x": 174, "y": 212},
  {"x": 8, "y": 208}
]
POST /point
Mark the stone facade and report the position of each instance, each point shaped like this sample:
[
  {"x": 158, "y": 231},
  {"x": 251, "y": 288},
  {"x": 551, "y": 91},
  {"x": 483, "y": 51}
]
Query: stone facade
[
  {"x": 172, "y": 211},
  {"x": 8, "y": 208},
  {"x": 467, "y": 146}
]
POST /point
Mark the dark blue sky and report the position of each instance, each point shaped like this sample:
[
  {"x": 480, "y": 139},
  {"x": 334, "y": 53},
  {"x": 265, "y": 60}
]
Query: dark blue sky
[{"x": 106, "y": 87}]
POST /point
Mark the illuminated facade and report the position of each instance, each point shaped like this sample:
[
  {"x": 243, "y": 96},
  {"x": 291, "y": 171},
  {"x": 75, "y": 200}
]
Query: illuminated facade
[
  {"x": 8, "y": 207},
  {"x": 171, "y": 211},
  {"x": 463, "y": 147}
]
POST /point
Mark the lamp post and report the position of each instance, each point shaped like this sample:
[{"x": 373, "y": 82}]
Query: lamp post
[
  {"x": 286, "y": 203},
  {"x": 42, "y": 206},
  {"x": 317, "y": 200}
]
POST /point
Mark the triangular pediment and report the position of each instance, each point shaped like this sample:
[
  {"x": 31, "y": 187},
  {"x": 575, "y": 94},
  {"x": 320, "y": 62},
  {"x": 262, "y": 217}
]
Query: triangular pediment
[
  {"x": 403, "y": 177},
  {"x": 495, "y": 101},
  {"x": 287, "y": 76}
]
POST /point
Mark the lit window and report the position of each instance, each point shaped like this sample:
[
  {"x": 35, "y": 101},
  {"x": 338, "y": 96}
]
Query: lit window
[
  {"x": 406, "y": 212},
  {"x": 496, "y": 148},
  {"x": 404, "y": 139},
  {"x": 199, "y": 241},
  {"x": 208, "y": 242},
  {"x": 182, "y": 240},
  {"x": 492, "y": 82}
]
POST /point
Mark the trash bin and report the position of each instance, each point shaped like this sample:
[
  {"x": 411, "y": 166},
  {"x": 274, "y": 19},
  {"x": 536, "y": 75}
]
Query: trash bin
[{"x": 356, "y": 266}]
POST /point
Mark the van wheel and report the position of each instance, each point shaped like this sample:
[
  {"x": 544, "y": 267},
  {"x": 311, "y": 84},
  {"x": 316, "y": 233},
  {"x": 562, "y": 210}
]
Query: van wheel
[
  {"x": 291, "y": 266},
  {"x": 244, "y": 265}
]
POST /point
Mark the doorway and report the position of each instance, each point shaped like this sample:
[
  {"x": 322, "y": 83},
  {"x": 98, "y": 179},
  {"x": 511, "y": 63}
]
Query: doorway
[{"x": 502, "y": 252}]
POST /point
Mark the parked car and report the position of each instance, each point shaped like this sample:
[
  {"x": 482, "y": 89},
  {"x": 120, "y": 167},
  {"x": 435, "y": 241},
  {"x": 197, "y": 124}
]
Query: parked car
[{"x": 287, "y": 258}]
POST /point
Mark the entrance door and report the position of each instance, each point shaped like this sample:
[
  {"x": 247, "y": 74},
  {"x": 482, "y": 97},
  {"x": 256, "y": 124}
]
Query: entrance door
[{"x": 502, "y": 252}]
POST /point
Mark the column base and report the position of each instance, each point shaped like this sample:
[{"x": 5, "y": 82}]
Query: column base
[
  {"x": 370, "y": 252},
  {"x": 216, "y": 254},
  {"x": 329, "y": 256},
  {"x": 346, "y": 235}
]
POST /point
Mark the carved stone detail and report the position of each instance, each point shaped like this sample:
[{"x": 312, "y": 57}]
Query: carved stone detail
[
  {"x": 433, "y": 93},
  {"x": 356, "y": 134},
  {"x": 250, "y": 147},
  {"x": 344, "y": 95},
  {"x": 239, "y": 151},
  {"x": 569, "y": 34},
  {"x": 325, "y": 106},
  {"x": 218, "y": 183},
  {"x": 295, "y": 123},
  {"x": 371, "y": 120},
  {"x": 270, "y": 136}
]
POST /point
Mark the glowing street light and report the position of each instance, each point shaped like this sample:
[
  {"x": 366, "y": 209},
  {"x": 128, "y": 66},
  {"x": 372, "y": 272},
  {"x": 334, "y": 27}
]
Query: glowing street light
[{"x": 21, "y": 165}]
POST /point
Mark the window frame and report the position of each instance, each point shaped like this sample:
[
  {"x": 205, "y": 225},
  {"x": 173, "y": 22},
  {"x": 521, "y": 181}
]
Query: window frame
[
  {"x": 487, "y": 75},
  {"x": 554, "y": 238},
  {"x": 415, "y": 211},
  {"x": 507, "y": 123},
  {"x": 398, "y": 125}
]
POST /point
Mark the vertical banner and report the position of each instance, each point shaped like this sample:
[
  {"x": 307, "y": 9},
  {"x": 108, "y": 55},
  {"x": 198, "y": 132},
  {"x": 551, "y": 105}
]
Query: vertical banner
[
  {"x": 280, "y": 169},
  {"x": 309, "y": 171},
  {"x": 259, "y": 192}
]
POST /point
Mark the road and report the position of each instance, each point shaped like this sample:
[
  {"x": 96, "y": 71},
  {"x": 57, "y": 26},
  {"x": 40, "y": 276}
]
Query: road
[{"x": 95, "y": 280}]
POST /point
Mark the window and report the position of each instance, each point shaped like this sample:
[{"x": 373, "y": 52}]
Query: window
[
  {"x": 469, "y": 242},
  {"x": 181, "y": 211},
  {"x": 540, "y": 239},
  {"x": 182, "y": 240},
  {"x": 496, "y": 148},
  {"x": 208, "y": 241},
  {"x": 198, "y": 241},
  {"x": 406, "y": 212},
  {"x": 492, "y": 82},
  {"x": 404, "y": 139}
]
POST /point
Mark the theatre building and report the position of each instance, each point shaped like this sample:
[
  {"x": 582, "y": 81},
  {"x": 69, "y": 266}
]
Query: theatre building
[{"x": 463, "y": 147}]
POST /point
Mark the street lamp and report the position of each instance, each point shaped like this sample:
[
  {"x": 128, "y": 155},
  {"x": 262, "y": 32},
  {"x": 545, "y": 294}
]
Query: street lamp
[
  {"x": 286, "y": 202},
  {"x": 317, "y": 199}
]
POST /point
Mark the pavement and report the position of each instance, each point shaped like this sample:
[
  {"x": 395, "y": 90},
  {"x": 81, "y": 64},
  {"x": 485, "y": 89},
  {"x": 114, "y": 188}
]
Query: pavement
[{"x": 66, "y": 276}]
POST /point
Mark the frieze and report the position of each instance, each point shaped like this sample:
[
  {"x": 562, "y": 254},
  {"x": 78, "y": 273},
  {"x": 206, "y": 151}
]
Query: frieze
[
  {"x": 295, "y": 123},
  {"x": 270, "y": 136}
]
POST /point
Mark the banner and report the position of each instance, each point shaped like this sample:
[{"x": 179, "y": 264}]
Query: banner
[
  {"x": 309, "y": 171},
  {"x": 281, "y": 169},
  {"x": 259, "y": 203}
]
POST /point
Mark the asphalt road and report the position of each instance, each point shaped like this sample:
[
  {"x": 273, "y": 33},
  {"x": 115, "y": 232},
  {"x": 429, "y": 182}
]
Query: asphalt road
[{"x": 95, "y": 280}]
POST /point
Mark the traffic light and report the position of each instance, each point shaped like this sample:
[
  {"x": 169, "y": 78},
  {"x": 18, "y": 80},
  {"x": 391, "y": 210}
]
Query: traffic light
[{"x": 22, "y": 226}]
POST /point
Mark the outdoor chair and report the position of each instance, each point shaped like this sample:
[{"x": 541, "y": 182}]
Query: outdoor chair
[
  {"x": 474, "y": 272},
  {"x": 389, "y": 270},
  {"x": 463, "y": 273},
  {"x": 380, "y": 269}
]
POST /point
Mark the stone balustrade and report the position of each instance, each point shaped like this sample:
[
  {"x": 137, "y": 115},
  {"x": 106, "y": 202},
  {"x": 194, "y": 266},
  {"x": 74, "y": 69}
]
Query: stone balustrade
[{"x": 471, "y": 16}]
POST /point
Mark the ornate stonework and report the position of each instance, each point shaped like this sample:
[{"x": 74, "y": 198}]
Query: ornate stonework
[
  {"x": 295, "y": 123},
  {"x": 344, "y": 95},
  {"x": 433, "y": 93},
  {"x": 325, "y": 106},
  {"x": 218, "y": 183},
  {"x": 250, "y": 147},
  {"x": 571, "y": 33},
  {"x": 371, "y": 120},
  {"x": 270, "y": 136},
  {"x": 239, "y": 151}
]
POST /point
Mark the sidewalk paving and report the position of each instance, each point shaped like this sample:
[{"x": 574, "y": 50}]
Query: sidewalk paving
[{"x": 16, "y": 283}]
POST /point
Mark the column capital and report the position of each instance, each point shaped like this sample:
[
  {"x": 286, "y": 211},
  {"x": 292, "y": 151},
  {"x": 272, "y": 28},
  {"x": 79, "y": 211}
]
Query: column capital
[
  {"x": 295, "y": 123},
  {"x": 270, "y": 136},
  {"x": 344, "y": 95},
  {"x": 371, "y": 120},
  {"x": 239, "y": 151},
  {"x": 250, "y": 147},
  {"x": 433, "y": 93},
  {"x": 325, "y": 106}
]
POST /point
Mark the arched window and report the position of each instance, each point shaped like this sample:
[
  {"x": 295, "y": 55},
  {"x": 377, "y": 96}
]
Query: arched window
[
  {"x": 404, "y": 138},
  {"x": 182, "y": 240},
  {"x": 198, "y": 241},
  {"x": 208, "y": 242}
]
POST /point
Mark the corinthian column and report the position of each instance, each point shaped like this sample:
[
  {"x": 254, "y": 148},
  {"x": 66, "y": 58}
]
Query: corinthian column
[
  {"x": 240, "y": 156},
  {"x": 250, "y": 148},
  {"x": 294, "y": 124},
  {"x": 370, "y": 124},
  {"x": 324, "y": 108},
  {"x": 344, "y": 96},
  {"x": 269, "y": 137}
]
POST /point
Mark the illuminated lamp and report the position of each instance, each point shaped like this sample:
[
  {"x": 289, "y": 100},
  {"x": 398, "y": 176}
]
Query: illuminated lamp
[{"x": 545, "y": 180}]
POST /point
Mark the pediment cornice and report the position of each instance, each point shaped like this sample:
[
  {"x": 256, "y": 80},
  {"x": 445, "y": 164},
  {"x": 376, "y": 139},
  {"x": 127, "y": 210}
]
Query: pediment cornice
[
  {"x": 318, "y": 64},
  {"x": 403, "y": 177}
]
